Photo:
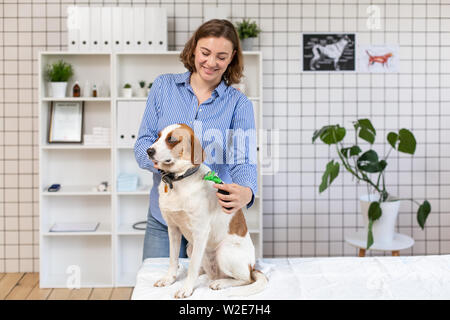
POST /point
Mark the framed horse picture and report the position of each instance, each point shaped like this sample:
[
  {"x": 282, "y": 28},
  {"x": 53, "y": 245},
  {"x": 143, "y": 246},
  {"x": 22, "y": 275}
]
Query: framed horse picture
[{"x": 330, "y": 52}]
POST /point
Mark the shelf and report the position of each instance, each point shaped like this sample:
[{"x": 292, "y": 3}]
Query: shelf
[
  {"x": 127, "y": 230},
  {"x": 75, "y": 191},
  {"x": 141, "y": 192},
  {"x": 102, "y": 230},
  {"x": 73, "y": 147},
  {"x": 132, "y": 99},
  {"x": 88, "y": 99}
]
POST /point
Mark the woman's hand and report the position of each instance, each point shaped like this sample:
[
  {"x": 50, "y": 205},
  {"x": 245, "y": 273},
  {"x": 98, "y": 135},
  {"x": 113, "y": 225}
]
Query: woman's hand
[{"x": 238, "y": 198}]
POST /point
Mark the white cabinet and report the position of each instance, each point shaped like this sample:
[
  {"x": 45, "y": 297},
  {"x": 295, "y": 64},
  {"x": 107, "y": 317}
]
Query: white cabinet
[{"x": 112, "y": 254}]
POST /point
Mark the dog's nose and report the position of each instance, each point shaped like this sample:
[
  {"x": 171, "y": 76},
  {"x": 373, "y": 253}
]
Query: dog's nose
[{"x": 151, "y": 152}]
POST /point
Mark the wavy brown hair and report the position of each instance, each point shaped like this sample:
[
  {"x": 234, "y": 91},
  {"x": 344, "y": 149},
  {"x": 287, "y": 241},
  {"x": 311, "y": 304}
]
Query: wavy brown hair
[{"x": 216, "y": 28}]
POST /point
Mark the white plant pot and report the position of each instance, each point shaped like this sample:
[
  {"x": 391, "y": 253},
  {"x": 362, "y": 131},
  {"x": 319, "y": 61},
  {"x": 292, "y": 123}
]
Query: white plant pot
[
  {"x": 58, "y": 89},
  {"x": 142, "y": 92},
  {"x": 383, "y": 229},
  {"x": 127, "y": 92}
]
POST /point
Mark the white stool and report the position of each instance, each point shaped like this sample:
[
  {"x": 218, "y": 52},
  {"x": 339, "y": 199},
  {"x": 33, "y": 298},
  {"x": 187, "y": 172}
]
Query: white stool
[{"x": 359, "y": 240}]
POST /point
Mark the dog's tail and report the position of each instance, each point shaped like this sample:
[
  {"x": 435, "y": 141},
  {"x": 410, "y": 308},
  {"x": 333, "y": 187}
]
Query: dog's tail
[{"x": 258, "y": 285}]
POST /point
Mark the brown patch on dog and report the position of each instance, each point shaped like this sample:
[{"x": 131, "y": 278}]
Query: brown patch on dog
[
  {"x": 238, "y": 226},
  {"x": 173, "y": 139},
  {"x": 197, "y": 154}
]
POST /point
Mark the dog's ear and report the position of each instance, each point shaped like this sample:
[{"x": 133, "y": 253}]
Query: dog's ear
[{"x": 197, "y": 152}]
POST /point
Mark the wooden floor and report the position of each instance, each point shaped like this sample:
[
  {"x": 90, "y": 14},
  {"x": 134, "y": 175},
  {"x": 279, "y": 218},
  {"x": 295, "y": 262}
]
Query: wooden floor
[{"x": 25, "y": 286}]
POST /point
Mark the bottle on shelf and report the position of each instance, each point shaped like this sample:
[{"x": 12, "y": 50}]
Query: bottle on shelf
[
  {"x": 94, "y": 91},
  {"x": 76, "y": 90}
]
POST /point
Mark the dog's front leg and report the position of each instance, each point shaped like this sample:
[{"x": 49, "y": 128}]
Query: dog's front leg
[
  {"x": 174, "y": 252},
  {"x": 198, "y": 249}
]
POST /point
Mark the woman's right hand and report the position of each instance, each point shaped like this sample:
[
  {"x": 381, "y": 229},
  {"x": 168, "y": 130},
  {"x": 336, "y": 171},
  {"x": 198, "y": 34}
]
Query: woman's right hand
[{"x": 155, "y": 165}]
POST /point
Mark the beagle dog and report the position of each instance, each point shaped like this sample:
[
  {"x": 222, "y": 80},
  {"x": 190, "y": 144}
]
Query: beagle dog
[{"x": 218, "y": 243}]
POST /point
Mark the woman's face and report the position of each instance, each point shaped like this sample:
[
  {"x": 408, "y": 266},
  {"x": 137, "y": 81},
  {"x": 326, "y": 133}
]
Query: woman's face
[{"x": 212, "y": 57}]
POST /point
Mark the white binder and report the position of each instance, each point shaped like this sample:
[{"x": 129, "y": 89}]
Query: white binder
[
  {"x": 84, "y": 17},
  {"x": 106, "y": 30},
  {"x": 160, "y": 26},
  {"x": 95, "y": 28},
  {"x": 122, "y": 124},
  {"x": 117, "y": 34},
  {"x": 134, "y": 121},
  {"x": 149, "y": 19},
  {"x": 129, "y": 117},
  {"x": 73, "y": 28},
  {"x": 128, "y": 28},
  {"x": 139, "y": 28}
]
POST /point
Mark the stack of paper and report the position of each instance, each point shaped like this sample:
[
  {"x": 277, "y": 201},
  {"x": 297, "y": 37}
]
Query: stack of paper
[{"x": 99, "y": 136}]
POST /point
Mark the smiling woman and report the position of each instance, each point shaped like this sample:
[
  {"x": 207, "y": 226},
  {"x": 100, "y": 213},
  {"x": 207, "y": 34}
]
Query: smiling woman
[{"x": 203, "y": 99}]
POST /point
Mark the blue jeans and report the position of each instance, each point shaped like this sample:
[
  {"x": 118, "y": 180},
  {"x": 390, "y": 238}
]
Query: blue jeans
[{"x": 156, "y": 240}]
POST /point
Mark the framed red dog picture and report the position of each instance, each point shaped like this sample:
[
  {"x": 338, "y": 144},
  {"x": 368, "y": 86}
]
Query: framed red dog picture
[{"x": 382, "y": 58}]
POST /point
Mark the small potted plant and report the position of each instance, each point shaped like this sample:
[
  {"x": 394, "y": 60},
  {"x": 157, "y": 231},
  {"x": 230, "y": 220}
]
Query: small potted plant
[
  {"x": 127, "y": 91},
  {"x": 378, "y": 207},
  {"x": 142, "y": 90},
  {"x": 247, "y": 31},
  {"x": 149, "y": 87},
  {"x": 58, "y": 74}
]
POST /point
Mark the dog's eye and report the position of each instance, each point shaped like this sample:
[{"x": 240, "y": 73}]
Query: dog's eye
[{"x": 172, "y": 139}]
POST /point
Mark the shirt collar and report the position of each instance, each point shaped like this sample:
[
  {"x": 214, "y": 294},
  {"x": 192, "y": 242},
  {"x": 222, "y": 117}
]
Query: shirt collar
[{"x": 184, "y": 78}]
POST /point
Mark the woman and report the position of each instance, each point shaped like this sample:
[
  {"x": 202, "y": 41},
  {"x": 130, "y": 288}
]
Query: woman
[{"x": 201, "y": 98}]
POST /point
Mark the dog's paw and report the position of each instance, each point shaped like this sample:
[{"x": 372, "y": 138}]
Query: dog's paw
[
  {"x": 184, "y": 292},
  {"x": 217, "y": 284},
  {"x": 164, "y": 282}
]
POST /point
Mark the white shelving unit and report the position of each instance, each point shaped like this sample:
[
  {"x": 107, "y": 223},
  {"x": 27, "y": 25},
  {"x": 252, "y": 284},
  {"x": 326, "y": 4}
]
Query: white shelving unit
[{"x": 112, "y": 255}]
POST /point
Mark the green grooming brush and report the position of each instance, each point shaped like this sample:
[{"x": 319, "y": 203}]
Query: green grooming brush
[{"x": 211, "y": 176}]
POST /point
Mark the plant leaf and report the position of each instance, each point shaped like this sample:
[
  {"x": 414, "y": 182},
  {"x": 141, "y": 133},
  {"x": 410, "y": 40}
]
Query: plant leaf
[
  {"x": 374, "y": 211},
  {"x": 368, "y": 162},
  {"x": 422, "y": 213},
  {"x": 367, "y": 132},
  {"x": 355, "y": 150},
  {"x": 330, "y": 134},
  {"x": 392, "y": 138},
  {"x": 331, "y": 172},
  {"x": 369, "y": 235},
  {"x": 407, "y": 141}
]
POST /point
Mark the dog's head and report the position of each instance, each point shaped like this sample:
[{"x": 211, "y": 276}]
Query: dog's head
[{"x": 176, "y": 149}]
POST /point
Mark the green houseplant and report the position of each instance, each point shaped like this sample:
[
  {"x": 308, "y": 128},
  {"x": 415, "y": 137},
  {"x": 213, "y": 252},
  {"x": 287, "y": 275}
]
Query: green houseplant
[
  {"x": 58, "y": 74},
  {"x": 362, "y": 165},
  {"x": 247, "y": 31},
  {"x": 142, "y": 90},
  {"x": 127, "y": 90}
]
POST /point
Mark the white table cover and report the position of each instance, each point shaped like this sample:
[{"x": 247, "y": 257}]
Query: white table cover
[{"x": 413, "y": 277}]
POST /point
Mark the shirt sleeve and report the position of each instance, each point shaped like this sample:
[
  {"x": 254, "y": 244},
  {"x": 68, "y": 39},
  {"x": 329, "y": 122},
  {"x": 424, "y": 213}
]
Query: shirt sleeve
[
  {"x": 243, "y": 169},
  {"x": 148, "y": 129}
]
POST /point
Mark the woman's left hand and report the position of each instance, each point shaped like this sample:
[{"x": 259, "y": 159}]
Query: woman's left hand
[{"x": 239, "y": 196}]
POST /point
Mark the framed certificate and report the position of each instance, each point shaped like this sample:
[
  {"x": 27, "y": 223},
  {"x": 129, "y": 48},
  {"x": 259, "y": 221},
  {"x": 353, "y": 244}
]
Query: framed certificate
[{"x": 66, "y": 122}]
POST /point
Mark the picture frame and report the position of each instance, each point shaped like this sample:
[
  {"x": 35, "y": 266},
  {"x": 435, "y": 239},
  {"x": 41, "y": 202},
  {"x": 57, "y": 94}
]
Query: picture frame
[
  {"x": 328, "y": 52},
  {"x": 66, "y": 122}
]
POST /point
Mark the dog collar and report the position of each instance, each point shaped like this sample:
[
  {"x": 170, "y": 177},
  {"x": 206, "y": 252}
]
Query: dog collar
[{"x": 169, "y": 177}]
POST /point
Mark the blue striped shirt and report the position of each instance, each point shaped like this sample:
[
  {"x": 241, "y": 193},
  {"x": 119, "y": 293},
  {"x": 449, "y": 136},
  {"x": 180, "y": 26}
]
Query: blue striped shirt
[{"x": 224, "y": 124}]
